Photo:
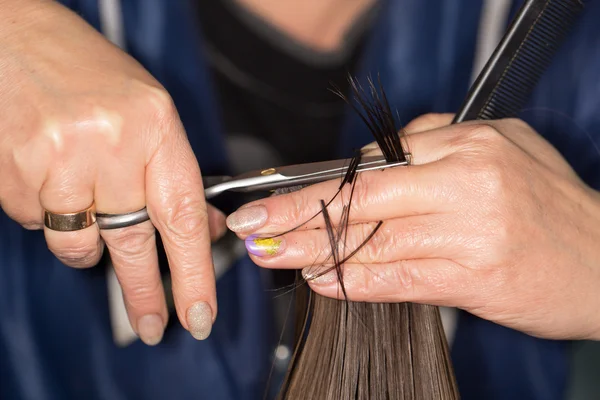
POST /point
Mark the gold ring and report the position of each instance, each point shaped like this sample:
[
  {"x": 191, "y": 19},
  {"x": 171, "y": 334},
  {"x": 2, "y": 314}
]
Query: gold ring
[{"x": 71, "y": 221}]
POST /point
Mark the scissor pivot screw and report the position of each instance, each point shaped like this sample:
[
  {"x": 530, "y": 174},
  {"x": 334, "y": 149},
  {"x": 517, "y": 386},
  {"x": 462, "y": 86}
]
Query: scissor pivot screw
[{"x": 269, "y": 171}]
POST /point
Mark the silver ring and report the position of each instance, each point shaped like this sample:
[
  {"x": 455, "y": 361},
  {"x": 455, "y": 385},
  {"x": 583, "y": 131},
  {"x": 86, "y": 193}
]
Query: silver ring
[{"x": 116, "y": 221}]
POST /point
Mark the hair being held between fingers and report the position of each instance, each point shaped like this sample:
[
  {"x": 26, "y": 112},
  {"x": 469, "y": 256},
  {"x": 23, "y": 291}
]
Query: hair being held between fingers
[{"x": 353, "y": 350}]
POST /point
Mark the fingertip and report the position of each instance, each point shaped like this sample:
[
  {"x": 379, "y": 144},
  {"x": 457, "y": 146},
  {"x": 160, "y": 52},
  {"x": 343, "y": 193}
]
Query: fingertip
[
  {"x": 265, "y": 246},
  {"x": 320, "y": 279},
  {"x": 369, "y": 147},
  {"x": 427, "y": 122},
  {"x": 216, "y": 223},
  {"x": 200, "y": 319},
  {"x": 150, "y": 329},
  {"x": 332, "y": 291},
  {"x": 247, "y": 219}
]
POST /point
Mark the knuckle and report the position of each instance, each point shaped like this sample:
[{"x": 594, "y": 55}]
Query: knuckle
[
  {"x": 298, "y": 203},
  {"x": 404, "y": 275},
  {"x": 140, "y": 291},
  {"x": 482, "y": 136},
  {"x": 296, "y": 207},
  {"x": 385, "y": 243},
  {"x": 486, "y": 132},
  {"x": 84, "y": 255},
  {"x": 314, "y": 247},
  {"x": 103, "y": 123},
  {"x": 496, "y": 238},
  {"x": 489, "y": 181},
  {"x": 133, "y": 242},
  {"x": 362, "y": 193},
  {"x": 380, "y": 246},
  {"x": 366, "y": 285},
  {"x": 390, "y": 281},
  {"x": 159, "y": 103},
  {"x": 518, "y": 123},
  {"x": 186, "y": 219},
  {"x": 434, "y": 283}
]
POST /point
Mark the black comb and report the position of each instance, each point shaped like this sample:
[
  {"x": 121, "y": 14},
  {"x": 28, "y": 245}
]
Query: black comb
[{"x": 510, "y": 75}]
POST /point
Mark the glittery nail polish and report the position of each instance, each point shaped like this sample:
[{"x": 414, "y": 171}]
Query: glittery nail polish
[
  {"x": 261, "y": 247},
  {"x": 247, "y": 219},
  {"x": 199, "y": 319}
]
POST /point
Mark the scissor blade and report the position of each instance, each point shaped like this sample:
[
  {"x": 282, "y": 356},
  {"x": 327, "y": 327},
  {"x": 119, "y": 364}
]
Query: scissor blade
[
  {"x": 300, "y": 174},
  {"x": 322, "y": 171}
]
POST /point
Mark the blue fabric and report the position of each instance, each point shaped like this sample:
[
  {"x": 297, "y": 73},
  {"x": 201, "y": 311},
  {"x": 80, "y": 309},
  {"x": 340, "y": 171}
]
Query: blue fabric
[
  {"x": 55, "y": 341},
  {"x": 55, "y": 331},
  {"x": 430, "y": 72},
  {"x": 496, "y": 363}
]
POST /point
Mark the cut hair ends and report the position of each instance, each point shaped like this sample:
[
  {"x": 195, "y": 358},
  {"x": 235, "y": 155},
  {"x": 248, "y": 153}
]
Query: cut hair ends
[
  {"x": 366, "y": 351},
  {"x": 369, "y": 351}
]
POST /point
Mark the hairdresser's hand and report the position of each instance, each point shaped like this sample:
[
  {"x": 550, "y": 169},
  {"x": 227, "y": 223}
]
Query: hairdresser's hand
[
  {"x": 490, "y": 218},
  {"x": 81, "y": 123}
]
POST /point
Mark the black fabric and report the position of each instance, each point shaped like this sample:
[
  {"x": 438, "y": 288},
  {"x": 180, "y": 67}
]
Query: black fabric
[{"x": 270, "y": 95}]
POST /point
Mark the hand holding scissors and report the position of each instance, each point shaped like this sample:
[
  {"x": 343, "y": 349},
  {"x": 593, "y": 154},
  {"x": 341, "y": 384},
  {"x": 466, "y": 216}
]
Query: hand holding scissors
[{"x": 261, "y": 180}]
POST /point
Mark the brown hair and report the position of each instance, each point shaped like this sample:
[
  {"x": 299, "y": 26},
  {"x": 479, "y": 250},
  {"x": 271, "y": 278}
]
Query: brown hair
[
  {"x": 375, "y": 351},
  {"x": 351, "y": 350}
]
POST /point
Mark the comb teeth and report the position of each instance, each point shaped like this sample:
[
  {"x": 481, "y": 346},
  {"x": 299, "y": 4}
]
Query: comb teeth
[{"x": 524, "y": 53}]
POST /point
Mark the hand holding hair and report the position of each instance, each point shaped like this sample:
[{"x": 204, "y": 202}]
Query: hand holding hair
[
  {"x": 488, "y": 218},
  {"x": 84, "y": 129}
]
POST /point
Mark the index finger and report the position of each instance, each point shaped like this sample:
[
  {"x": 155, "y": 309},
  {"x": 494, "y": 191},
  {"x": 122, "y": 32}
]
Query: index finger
[
  {"x": 423, "y": 188},
  {"x": 177, "y": 207}
]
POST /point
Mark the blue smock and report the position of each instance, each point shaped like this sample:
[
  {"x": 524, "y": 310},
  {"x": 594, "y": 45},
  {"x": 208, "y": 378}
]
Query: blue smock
[{"x": 55, "y": 338}]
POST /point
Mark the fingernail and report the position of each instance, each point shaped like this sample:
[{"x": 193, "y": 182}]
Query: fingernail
[
  {"x": 150, "y": 329},
  {"x": 262, "y": 247},
  {"x": 247, "y": 219},
  {"x": 199, "y": 319},
  {"x": 318, "y": 277}
]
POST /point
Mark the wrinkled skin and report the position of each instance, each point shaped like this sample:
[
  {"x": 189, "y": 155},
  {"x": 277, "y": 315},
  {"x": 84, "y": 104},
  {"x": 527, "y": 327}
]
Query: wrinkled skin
[
  {"x": 489, "y": 218},
  {"x": 80, "y": 123}
]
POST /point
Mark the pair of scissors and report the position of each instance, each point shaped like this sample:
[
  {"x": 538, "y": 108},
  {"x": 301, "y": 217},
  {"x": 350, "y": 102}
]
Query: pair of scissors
[{"x": 268, "y": 179}]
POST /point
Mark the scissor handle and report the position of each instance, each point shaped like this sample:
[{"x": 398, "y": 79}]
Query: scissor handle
[{"x": 117, "y": 221}]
